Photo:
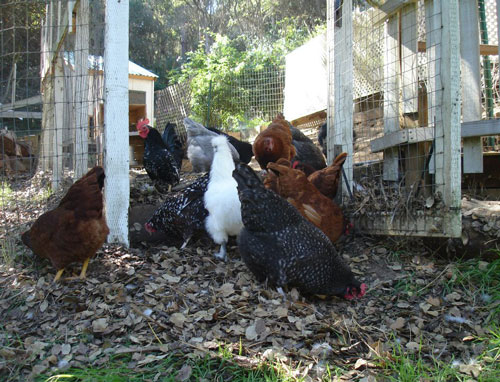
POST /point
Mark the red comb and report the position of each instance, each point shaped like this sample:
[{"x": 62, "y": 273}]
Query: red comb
[{"x": 140, "y": 124}]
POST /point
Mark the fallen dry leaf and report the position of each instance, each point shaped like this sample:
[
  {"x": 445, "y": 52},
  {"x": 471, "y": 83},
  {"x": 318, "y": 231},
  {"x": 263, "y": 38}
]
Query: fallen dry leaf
[
  {"x": 399, "y": 323},
  {"x": 184, "y": 373},
  {"x": 177, "y": 319},
  {"x": 100, "y": 325}
]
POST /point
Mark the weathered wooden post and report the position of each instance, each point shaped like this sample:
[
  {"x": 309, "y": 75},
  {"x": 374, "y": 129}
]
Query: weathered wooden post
[{"x": 116, "y": 137}]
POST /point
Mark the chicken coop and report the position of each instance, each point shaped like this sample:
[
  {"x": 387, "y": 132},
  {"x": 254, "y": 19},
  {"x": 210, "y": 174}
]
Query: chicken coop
[{"x": 413, "y": 98}]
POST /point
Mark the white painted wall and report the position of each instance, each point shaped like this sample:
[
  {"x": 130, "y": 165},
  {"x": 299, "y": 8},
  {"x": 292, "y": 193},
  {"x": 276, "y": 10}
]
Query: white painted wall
[
  {"x": 148, "y": 86},
  {"x": 306, "y": 85}
]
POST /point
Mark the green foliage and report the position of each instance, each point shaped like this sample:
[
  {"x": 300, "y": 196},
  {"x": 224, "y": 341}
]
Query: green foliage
[
  {"x": 163, "y": 32},
  {"x": 239, "y": 82}
]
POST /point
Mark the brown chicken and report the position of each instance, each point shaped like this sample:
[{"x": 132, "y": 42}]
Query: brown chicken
[
  {"x": 327, "y": 179},
  {"x": 75, "y": 229},
  {"x": 274, "y": 142},
  {"x": 294, "y": 186}
]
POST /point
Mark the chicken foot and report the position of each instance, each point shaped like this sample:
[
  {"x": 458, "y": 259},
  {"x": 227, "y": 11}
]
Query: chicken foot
[
  {"x": 58, "y": 275},
  {"x": 222, "y": 254},
  {"x": 185, "y": 242},
  {"x": 83, "y": 273}
]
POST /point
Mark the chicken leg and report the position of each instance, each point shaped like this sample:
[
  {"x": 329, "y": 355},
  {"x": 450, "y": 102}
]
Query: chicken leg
[
  {"x": 222, "y": 255},
  {"x": 83, "y": 273},
  {"x": 58, "y": 275}
]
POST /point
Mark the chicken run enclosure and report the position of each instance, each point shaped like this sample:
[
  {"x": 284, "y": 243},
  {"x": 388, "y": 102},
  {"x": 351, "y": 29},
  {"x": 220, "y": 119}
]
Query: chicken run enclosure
[{"x": 413, "y": 96}]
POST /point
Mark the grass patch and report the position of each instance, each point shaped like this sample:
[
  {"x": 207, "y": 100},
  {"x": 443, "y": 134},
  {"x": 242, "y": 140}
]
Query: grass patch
[
  {"x": 404, "y": 366},
  {"x": 407, "y": 286},
  {"x": 480, "y": 280},
  {"x": 6, "y": 194},
  {"x": 174, "y": 368},
  {"x": 8, "y": 251}
]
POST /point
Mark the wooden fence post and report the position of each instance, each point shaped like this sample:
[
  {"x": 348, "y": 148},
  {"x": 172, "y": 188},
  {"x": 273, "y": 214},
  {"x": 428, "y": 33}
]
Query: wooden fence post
[{"x": 116, "y": 137}]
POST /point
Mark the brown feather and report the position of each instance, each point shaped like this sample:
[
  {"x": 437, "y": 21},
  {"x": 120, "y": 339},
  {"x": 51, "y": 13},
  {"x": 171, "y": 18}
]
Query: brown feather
[
  {"x": 76, "y": 228},
  {"x": 294, "y": 186}
]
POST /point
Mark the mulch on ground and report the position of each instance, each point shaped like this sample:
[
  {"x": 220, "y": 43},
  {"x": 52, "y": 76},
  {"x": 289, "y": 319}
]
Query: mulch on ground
[{"x": 154, "y": 299}]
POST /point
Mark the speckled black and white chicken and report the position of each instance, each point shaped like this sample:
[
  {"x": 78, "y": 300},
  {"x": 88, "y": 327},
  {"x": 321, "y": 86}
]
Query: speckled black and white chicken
[
  {"x": 279, "y": 245},
  {"x": 183, "y": 213}
]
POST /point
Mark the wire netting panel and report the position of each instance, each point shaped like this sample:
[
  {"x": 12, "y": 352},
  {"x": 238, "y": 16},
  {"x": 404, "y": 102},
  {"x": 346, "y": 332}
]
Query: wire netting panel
[
  {"x": 399, "y": 127},
  {"x": 488, "y": 35},
  {"x": 239, "y": 102},
  {"x": 51, "y": 102},
  {"x": 172, "y": 104}
]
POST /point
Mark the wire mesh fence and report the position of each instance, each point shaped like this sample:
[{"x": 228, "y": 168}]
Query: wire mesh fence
[
  {"x": 390, "y": 74},
  {"x": 240, "y": 102},
  {"x": 51, "y": 111},
  {"x": 391, "y": 78}
]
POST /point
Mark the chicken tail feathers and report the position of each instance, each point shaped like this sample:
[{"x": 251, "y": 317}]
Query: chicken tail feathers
[
  {"x": 173, "y": 143},
  {"x": 340, "y": 159},
  {"x": 99, "y": 172}
]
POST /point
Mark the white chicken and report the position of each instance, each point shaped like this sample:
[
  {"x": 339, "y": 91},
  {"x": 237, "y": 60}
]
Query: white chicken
[{"x": 221, "y": 198}]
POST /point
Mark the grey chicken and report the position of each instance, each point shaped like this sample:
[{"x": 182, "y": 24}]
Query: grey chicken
[{"x": 200, "y": 151}]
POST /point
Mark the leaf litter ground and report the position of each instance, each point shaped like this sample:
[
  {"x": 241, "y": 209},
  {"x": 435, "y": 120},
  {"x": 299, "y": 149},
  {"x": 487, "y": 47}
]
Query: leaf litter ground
[{"x": 155, "y": 300}]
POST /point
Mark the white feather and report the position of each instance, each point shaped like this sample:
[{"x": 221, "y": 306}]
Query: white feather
[{"x": 221, "y": 198}]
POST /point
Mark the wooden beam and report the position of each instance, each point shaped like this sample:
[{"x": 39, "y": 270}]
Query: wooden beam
[
  {"x": 21, "y": 114},
  {"x": 309, "y": 118},
  {"x": 21, "y": 103},
  {"x": 482, "y": 128},
  {"x": 471, "y": 83},
  {"x": 141, "y": 77},
  {"x": 59, "y": 125},
  {"x": 392, "y": 6},
  {"x": 417, "y": 224},
  {"x": 484, "y": 49},
  {"x": 81, "y": 96},
  {"x": 409, "y": 76},
  {"x": 341, "y": 135},
  {"x": 404, "y": 136},
  {"x": 116, "y": 138}
]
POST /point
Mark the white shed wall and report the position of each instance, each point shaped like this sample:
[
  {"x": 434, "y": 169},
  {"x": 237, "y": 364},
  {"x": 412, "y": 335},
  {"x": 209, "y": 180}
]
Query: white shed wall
[
  {"x": 148, "y": 86},
  {"x": 306, "y": 87}
]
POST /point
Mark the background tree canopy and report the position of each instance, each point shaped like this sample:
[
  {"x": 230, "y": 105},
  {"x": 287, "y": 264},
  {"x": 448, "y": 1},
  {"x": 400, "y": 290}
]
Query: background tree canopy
[{"x": 166, "y": 34}]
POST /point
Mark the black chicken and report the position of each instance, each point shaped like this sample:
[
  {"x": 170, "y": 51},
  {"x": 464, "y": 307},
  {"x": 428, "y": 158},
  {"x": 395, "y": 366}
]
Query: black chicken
[
  {"x": 173, "y": 143},
  {"x": 279, "y": 245},
  {"x": 183, "y": 213},
  {"x": 159, "y": 161},
  {"x": 307, "y": 152},
  {"x": 322, "y": 131},
  {"x": 243, "y": 148}
]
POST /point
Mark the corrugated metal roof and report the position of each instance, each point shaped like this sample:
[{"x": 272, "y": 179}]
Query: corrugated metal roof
[
  {"x": 96, "y": 63},
  {"x": 137, "y": 70}
]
